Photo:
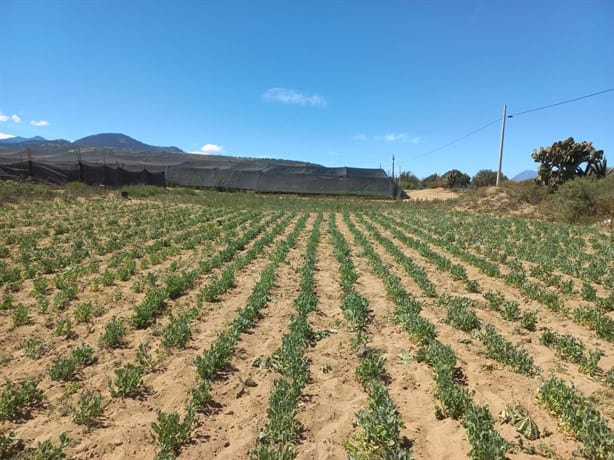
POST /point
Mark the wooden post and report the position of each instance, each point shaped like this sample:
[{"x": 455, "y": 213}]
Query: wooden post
[{"x": 501, "y": 145}]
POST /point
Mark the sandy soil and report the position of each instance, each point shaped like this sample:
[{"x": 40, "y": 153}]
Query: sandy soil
[
  {"x": 430, "y": 194},
  {"x": 327, "y": 411}
]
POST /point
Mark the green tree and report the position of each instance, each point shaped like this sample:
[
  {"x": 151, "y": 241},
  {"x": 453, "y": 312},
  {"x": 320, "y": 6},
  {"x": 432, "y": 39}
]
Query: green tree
[
  {"x": 409, "y": 181},
  {"x": 565, "y": 160},
  {"x": 486, "y": 178},
  {"x": 456, "y": 179},
  {"x": 432, "y": 181}
]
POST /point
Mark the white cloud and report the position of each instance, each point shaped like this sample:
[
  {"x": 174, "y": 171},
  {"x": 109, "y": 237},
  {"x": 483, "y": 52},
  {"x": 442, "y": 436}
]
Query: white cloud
[
  {"x": 290, "y": 96},
  {"x": 416, "y": 140},
  {"x": 14, "y": 118},
  {"x": 210, "y": 149},
  {"x": 392, "y": 137},
  {"x": 39, "y": 122},
  {"x": 5, "y": 136},
  {"x": 359, "y": 137}
]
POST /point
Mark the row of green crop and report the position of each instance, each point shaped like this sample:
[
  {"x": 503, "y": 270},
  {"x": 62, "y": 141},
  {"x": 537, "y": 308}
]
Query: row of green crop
[
  {"x": 379, "y": 423},
  {"x": 461, "y": 315},
  {"x": 590, "y": 317},
  {"x": 551, "y": 247},
  {"x": 455, "y": 399},
  {"x": 281, "y": 432},
  {"x": 129, "y": 378},
  {"x": 33, "y": 256},
  {"x": 170, "y": 432},
  {"x": 176, "y": 285}
]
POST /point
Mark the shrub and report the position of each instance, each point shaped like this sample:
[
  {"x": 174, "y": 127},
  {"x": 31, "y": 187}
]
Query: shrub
[
  {"x": 456, "y": 179},
  {"x": 486, "y": 178},
  {"x": 583, "y": 199},
  {"x": 409, "y": 181}
]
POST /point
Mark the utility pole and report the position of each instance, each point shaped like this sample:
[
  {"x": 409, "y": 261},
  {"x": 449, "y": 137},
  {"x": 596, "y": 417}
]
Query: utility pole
[
  {"x": 501, "y": 145},
  {"x": 392, "y": 168}
]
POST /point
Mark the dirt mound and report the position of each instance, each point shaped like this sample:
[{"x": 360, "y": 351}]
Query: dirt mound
[
  {"x": 497, "y": 201},
  {"x": 431, "y": 194}
]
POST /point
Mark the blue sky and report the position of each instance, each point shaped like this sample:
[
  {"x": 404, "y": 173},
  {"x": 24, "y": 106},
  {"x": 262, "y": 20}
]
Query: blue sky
[{"x": 340, "y": 83}]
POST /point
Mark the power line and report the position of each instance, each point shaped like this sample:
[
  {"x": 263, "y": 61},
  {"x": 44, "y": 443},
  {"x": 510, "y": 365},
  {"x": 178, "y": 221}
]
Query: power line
[
  {"x": 510, "y": 116},
  {"x": 459, "y": 138},
  {"x": 543, "y": 107}
]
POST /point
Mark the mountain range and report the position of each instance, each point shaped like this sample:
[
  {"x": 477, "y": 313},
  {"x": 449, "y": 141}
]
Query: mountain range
[
  {"x": 103, "y": 140},
  {"x": 19, "y": 140},
  {"x": 524, "y": 175}
]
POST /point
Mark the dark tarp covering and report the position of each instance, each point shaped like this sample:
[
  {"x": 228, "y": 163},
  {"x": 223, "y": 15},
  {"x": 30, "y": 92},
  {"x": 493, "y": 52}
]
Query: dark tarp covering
[{"x": 121, "y": 167}]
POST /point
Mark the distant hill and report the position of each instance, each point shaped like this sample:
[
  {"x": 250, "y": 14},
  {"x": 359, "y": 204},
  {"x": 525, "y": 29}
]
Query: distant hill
[
  {"x": 120, "y": 141},
  {"x": 524, "y": 175},
  {"x": 18, "y": 140}
]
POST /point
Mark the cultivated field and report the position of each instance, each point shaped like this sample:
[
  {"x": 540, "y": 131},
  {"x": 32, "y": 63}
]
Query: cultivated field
[{"x": 303, "y": 329}]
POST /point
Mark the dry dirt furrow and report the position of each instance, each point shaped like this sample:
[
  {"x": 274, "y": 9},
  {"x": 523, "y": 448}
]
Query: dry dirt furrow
[
  {"x": 333, "y": 396},
  {"x": 239, "y": 410},
  {"x": 411, "y": 389},
  {"x": 555, "y": 321},
  {"x": 493, "y": 384},
  {"x": 117, "y": 300},
  {"x": 544, "y": 357},
  {"x": 167, "y": 387}
]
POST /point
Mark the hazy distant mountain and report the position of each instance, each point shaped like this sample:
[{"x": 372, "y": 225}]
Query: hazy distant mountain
[
  {"x": 120, "y": 141},
  {"x": 525, "y": 175},
  {"x": 18, "y": 140}
]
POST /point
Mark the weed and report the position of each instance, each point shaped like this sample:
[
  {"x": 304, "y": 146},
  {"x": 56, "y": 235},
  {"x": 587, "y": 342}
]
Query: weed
[
  {"x": 63, "y": 328},
  {"x": 63, "y": 369},
  {"x": 128, "y": 382},
  {"x": 18, "y": 399},
  {"x": 114, "y": 332},
  {"x": 84, "y": 312},
  {"x": 19, "y": 317},
  {"x": 89, "y": 409},
  {"x": 34, "y": 347},
  {"x": 528, "y": 320},
  {"x": 177, "y": 332},
  {"x": 171, "y": 433}
]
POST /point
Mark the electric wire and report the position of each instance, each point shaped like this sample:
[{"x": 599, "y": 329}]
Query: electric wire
[
  {"x": 543, "y": 107},
  {"x": 458, "y": 139},
  {"x": 536, "y": 109}
]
